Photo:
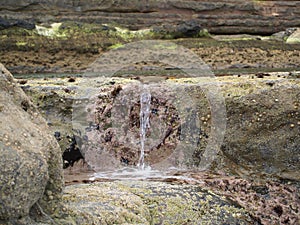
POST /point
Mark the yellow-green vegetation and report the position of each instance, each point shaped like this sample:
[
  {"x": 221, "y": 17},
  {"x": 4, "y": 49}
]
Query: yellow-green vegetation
[
  {"x": 168, "y": 46},
  {"x": 82, "y": 37},
  {"x": 204, "y": 33},
  {"x": 148, "y": 203},
  {"x": 21, "y": 43},
  {"x": 51, "y": 32},
  {"x": 128, "y": 35},
  {"x": 116, "y": 46}
]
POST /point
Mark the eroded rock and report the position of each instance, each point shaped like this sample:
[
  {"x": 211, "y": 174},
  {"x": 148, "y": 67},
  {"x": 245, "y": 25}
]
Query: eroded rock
[
  {"x": 262, "y": 128},
  {"x": 31, "y": 167}
]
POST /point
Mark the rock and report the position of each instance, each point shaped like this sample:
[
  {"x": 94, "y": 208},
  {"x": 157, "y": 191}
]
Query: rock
[
  {"x": 30, "y": 164},
  {"x": 262, "y": 133},
  {"x": 294, "y": 37},
  {"x": 189, "y": 28},
  {"x": 5, "y": 23},
  {"x": 72, "y": 154},
  {"x": 283, "y": 35},
  {"x": 142, "y": 202},
  {"x": 219, "y": 17}
]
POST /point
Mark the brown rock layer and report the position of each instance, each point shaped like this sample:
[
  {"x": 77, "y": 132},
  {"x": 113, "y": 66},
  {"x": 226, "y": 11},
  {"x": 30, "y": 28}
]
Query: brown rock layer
[{"x": 220, "y": 17}]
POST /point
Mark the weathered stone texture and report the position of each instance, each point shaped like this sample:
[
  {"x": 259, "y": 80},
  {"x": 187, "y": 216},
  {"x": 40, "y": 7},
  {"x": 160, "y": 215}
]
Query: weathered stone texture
[
  {"x": 230, "y": 17},
  {"x": 30, "y": 164}
]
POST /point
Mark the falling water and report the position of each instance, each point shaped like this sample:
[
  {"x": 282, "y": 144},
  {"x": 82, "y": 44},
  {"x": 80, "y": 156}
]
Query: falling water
[{"x": 145, "y": 100}]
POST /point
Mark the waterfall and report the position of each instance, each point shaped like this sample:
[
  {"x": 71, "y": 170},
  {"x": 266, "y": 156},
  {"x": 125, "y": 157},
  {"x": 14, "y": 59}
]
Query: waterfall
[{"x": 145, "y": 99}]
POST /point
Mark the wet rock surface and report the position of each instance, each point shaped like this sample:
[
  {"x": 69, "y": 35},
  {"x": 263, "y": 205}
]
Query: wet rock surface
[
  {"x": 142, "y": 202},
  {"x": 31, "y": 172},
  {"x": 261, "y": 136},
  {"x": 185, "y": 196}
]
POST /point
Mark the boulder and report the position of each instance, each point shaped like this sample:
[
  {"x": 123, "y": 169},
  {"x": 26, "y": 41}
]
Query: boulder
[
  {"x": 294, "y": 37},
  {"x": 30, "y": 166},
  {"x": 183, "y": 29},
  {"x": 263, "y": 126}
]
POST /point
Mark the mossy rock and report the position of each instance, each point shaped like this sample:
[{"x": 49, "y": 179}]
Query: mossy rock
[{"x": 137, "y": 202}]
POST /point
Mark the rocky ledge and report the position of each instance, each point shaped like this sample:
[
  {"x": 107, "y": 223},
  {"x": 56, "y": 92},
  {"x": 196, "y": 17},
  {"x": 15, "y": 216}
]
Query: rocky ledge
[{"x": 230, "y": 17}]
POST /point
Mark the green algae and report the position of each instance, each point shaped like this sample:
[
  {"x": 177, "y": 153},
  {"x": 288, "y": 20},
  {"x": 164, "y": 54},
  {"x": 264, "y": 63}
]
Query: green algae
[{"x": 150, "y": 203}]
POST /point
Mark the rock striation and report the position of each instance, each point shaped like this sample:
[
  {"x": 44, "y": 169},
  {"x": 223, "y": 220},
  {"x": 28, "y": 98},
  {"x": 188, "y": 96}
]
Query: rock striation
[{"x": 219, "y": 17}]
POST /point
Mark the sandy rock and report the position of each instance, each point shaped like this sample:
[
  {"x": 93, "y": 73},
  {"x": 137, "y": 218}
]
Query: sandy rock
[{"x": 31, "y": 167}]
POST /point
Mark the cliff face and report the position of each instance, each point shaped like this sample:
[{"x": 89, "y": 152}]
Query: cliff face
[{"x": 220, "y": 17}]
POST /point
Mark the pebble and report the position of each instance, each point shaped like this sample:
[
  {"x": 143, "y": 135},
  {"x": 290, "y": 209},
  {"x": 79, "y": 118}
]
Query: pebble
[
  {"x": 276, "y": 100},
  {"x": 292, "y": 125}
]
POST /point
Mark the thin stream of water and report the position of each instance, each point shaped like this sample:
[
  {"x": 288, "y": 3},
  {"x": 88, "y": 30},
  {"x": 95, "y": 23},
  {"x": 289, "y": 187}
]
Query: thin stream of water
[{"x": 145, "y": 100}]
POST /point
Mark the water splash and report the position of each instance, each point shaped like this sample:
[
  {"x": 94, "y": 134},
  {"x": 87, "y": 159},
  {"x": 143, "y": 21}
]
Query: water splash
[
  {"x": 134, "y": 173},
  {"x": 145, "y": 100}
]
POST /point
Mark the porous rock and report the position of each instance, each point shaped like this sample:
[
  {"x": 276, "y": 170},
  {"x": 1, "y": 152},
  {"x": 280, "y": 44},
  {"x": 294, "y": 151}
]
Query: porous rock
[{"x": 30, "y": 164}]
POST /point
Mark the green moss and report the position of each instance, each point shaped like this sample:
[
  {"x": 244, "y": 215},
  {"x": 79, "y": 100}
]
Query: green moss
[
  {"x": 204, "y": 33},
  {"x": 116, "y": 46},
  {"x": 168, "y": 46},
  {"x": 51, "y": 32},
  {"x": 21, "y": 43}
]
